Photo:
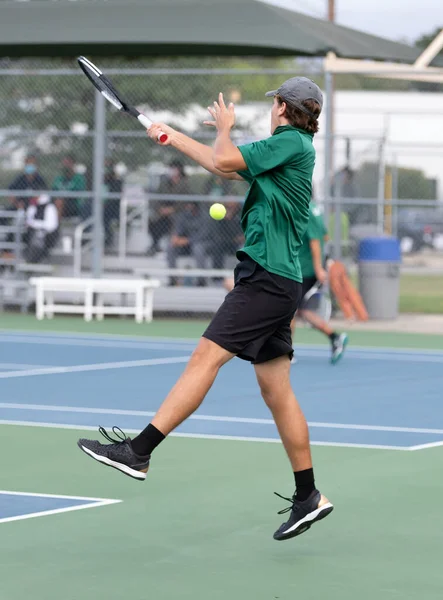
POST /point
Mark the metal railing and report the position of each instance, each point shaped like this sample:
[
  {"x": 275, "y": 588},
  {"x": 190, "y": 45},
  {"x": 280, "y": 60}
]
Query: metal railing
[
  {"x": 14, "y": 227},
  {"x": 81, "y": 234}
]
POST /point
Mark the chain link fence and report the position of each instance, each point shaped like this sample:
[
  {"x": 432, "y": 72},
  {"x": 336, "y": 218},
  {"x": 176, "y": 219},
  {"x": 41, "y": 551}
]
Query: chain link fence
[{"x": 95, "y": 196}]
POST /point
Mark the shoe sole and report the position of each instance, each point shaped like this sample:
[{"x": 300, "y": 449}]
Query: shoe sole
[
  {"x": 139, "y": 475},
  {"x": 334, "y": 361},
  {"x": 304, "y": 524}
]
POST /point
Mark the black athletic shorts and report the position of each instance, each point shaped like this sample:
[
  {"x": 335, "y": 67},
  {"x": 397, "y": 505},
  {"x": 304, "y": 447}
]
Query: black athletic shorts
[
  {"x": 254, "y": 320},
  {"x": 308, "y": 283}
]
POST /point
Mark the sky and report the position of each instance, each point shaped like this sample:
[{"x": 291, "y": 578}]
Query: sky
[{"x": 400, "y": 20}]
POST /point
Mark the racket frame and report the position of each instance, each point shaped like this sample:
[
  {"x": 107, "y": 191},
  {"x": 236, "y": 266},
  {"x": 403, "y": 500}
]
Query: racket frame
[
  {"x": 113, "y": 97},
  {"x": 315, "y": 289}
]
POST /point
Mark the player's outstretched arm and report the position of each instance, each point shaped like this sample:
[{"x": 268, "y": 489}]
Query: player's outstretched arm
[
  {"x": 201, "y": 154},
  {"x": 316, "y": 253},
  {"x": 227, "y": 157}
]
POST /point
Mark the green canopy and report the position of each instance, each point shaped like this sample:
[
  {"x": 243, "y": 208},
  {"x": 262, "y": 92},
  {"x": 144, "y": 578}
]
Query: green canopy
[{"x": 180, "y": 27}]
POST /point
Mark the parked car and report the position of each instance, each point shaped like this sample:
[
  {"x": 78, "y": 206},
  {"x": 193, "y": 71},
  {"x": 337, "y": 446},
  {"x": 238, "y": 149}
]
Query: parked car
[{"x": 419, "y": 228}]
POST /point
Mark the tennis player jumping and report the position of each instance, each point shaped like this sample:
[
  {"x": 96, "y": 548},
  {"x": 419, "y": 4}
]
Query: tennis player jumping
[
  {"x": 311, "y": 257},
  {"x": 253, "y": 322}
]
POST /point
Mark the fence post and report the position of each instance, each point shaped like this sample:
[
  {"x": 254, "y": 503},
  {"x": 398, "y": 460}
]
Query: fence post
[
  {"x": 337, "y": 234},
  {"x": 329, "y": 144},
  {"x": 394, "y": 195},
  {"x": 382, "y": 178},
  {"x": 98, "y": 184}
]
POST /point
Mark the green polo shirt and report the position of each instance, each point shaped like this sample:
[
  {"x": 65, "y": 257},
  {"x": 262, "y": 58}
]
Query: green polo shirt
[
  {"x": 276, "y": 209},
  {"x": 316, "y": 230},
  {"x": 76, "y": 183}
]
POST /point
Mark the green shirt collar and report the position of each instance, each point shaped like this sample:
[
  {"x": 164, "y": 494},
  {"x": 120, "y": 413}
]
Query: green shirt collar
[{"x": 282, "y": 128}]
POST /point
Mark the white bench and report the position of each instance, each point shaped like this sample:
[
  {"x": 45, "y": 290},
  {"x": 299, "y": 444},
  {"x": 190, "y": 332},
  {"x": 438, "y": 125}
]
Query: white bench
[
  {"x": 35, "y": 268},
  {"x": 14, "y": 292},
  {"x": 187, "y": 298},
  {"x": 164, "y": 273},
  {"x": 143, "y": 289}
]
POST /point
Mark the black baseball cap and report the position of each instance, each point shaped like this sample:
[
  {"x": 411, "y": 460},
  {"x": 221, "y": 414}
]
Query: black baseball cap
[{"x": 296, "y": 90}]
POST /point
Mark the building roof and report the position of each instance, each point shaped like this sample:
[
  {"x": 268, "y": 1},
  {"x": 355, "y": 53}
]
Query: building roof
[{"x": 180, "y": 27}]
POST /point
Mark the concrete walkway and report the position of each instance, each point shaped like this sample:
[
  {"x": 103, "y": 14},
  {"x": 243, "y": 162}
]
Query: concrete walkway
[{"x": 406, "y": 323}]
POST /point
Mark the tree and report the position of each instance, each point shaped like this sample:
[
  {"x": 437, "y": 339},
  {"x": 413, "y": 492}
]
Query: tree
[
  {"x": 424, "y": 41},
  {"x": 412, "y": 183},
  {"x": 40, "y": 112}
]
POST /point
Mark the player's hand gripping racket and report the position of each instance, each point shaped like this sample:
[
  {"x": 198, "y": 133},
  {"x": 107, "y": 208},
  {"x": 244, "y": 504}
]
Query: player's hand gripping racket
[
  {"x": 317, "y": 300},
  {"x": 106, "y": 88}
]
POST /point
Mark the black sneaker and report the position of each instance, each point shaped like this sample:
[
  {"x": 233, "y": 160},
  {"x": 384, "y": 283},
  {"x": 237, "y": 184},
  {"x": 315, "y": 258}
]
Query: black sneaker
[
  {"x": 118, "y": 454},
  {"x": 303, "y": 515},
  {"x": 338, "y": 346}
]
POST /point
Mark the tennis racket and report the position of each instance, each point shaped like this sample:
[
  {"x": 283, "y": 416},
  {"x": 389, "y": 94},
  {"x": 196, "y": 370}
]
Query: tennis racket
[
  {"x": 318, "y": 301},
  {"x": 107, "y": 90}
]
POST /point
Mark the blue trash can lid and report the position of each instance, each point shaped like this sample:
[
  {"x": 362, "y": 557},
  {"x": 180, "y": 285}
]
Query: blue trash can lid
[{"x": 379, "y": 249}]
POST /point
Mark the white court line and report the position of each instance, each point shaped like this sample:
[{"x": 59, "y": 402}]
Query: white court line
[
  {"x": 203, "y": 436},
  {"x": 91, "y": 503},
  {"x": 87, "y": 337},
  {"x": 96, "y": 367},
  {"x": 161, "y": 343},
  {"x": 215, "y": 418},
  {"x": 95, "y": 343},
  {"x": 384, "y": 356},
  {"x": 19, "y": 333},
  {"x": 21, "y": 366},
  {"x": 60, "y": 496},
  {"x": 425, "y": 446}
]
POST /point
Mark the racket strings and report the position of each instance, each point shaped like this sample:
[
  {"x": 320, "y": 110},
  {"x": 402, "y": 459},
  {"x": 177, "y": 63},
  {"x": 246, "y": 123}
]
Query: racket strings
[{"x": 103, "y": 85}]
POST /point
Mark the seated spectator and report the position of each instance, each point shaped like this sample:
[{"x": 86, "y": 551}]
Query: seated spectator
[
  {"x": 217, "y": 187},
  {"x": 42, "y": 227},
  {"x": 111, "y": 209},
  {"x": 29, "y": 179},
  {"x": 226, "y": 235},
  {"x": 70, "y": 181},
  {"x": 190, "y": 236},
  {"x": 162, "y": 211}
]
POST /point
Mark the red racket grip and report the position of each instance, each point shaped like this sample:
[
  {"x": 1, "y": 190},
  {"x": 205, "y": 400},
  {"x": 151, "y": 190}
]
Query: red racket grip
[{"x": 146, "y": 122}]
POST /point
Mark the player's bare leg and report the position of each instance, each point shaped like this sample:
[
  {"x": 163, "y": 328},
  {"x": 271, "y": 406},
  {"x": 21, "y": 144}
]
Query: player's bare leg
[
  {"x": 317, "y": 322},
  {"x": 192, "y": 386},
  {"x": 338, "y": 341},
  {"x": 308, "y": 504},
  {"x": 275, "y": 385},
  {"x": 132, "y": 457}
]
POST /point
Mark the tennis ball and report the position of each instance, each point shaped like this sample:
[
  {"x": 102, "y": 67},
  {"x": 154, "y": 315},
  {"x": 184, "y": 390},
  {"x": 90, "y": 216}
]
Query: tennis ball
[{"x": 217, "y": 211}]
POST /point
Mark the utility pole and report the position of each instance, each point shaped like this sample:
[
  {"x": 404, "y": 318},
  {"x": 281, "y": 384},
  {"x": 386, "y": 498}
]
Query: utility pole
[
  {"x": 331, "y": 191},
  {"x": 331, "y": 18}
]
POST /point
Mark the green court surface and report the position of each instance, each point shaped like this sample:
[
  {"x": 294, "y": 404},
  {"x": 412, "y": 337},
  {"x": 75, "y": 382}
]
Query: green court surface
[
  {"x": 200, "y": 527},
  {"x": 190, "y": 328}
]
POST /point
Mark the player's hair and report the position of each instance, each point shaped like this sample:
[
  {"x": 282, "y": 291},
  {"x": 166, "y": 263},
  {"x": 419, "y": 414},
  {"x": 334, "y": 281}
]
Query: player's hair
[{"x": 298, "y": 118}]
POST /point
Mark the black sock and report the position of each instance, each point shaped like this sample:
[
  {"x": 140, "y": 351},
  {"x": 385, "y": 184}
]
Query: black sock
[
  {"x": 333, "y": 336},
  {"x": 147, "y": 440},
  {"x": 304, "y": 484}
]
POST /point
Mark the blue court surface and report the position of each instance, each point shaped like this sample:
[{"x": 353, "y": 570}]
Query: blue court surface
[
  {"x": 16, "y": 506},
  {"x": 377, "y": 398}
]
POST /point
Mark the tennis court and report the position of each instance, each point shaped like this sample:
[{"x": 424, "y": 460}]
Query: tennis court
[{"x": 201, "y": 525}]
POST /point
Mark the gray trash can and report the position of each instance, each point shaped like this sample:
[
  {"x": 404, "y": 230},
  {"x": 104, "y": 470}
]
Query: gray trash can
[{"x": 379, "y": 261}]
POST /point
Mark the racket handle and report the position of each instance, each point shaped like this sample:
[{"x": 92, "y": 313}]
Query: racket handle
[{"x": 162, "y": 137}]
